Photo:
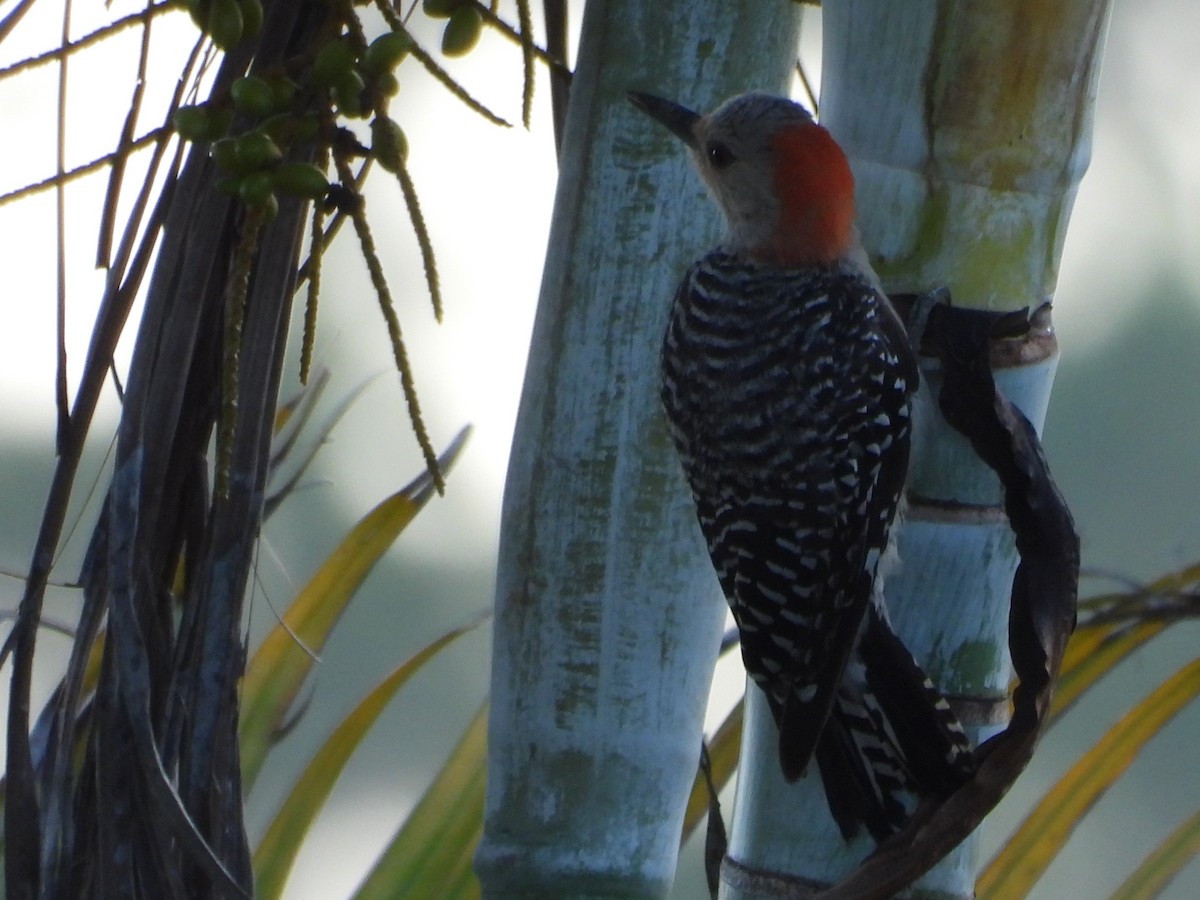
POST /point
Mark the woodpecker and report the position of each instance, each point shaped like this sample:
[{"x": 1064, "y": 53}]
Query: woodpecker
[{"x": 787, "y": 382}]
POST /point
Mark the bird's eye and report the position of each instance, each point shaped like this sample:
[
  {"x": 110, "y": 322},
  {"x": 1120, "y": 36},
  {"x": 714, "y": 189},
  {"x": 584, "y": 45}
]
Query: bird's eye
[{"x": 719, "y": 155}]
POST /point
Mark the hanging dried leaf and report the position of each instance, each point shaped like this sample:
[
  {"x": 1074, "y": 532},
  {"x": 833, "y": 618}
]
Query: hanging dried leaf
[{"x": 1044, "y": 592}]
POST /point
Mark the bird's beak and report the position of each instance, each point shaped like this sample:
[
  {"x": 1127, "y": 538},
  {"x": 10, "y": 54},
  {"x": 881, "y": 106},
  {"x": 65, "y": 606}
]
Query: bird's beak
[{"x": 678, "y": 118}]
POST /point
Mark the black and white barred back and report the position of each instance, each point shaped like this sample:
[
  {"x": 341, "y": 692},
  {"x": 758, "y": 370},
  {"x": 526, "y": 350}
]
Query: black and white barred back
[{"x": 788, "y": 395}]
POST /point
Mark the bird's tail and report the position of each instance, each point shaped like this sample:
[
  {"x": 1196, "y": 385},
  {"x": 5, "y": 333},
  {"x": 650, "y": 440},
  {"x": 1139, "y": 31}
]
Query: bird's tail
[{"x": 890, "y": 736}]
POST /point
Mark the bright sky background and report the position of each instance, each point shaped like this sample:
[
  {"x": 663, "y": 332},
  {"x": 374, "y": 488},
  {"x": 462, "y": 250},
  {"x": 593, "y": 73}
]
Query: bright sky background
[{"x": 486, "y": 195}]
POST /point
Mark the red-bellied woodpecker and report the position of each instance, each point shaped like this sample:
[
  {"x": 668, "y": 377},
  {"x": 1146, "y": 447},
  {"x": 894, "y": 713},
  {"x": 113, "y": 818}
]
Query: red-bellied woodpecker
[{"x": 787, "y": 384}]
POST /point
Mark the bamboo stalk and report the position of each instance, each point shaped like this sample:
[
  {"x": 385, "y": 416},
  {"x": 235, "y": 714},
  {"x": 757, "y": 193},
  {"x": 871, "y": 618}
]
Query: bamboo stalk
[
  {"x": 968, "y": 127},
  {"x": 608, "y": 615}
]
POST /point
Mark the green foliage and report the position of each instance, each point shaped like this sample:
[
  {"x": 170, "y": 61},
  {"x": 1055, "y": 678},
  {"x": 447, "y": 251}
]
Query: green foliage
[
  {"x": 1167, "y": 861},
  {"x": 440, "y": 834},
  {"x": 430, "y": 856},
  {"x": 275, "y": 854},
  {"x": 1111, "y": 627},
  {"x": 281, "y": 663}
]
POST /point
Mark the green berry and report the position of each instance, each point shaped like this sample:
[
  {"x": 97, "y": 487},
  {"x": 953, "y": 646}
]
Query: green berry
[
  {"x": 287, "y": 129},
  {"x": 441, "y": 9},
  {"x": 386, "y": 51},
  {"x": 225, "y": 23},
  {"x": 256, "y": 188},
  {"x": 386, "y": 84},
  {"x": 333, "y": 62},
  {"x": 252, "y": 17},
  {"x": 278, "y": 128},
  {"x": 193, "y": 123},
  {"x": 224, "y": 153},
  {"x": 462, "y": 31},
  {"x": 253, "y": 95},
  {"x": 301, "y": 180},
  {"x": 347, "y": 94},
  {"x": 198, "y": 10},
  {"x": 389, "y": 146},
  {"x": 284, "y": 90},
  {"x": 255, "y": 150}
]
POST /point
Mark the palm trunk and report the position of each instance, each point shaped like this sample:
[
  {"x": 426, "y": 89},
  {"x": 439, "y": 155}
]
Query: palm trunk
[
  {"x": 608, "y": 615},
  {"x": 968, "y": 126},
  {"x": 138, "y": 792}
]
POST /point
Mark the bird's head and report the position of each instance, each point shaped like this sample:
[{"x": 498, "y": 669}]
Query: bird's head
[{"x": 781, "y": 180}]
